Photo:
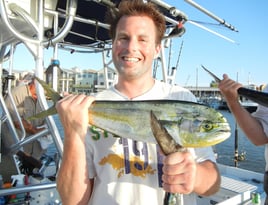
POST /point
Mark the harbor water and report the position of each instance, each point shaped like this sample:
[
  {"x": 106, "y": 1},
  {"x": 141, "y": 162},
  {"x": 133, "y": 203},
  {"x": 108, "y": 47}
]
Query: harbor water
[{"x": 253, "y": 156}]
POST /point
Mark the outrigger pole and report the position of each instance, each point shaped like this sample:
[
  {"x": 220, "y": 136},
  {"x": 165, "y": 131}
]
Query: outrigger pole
[{"x": 221, "y": 21}]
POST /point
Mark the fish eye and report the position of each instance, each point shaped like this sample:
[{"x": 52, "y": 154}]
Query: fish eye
[{"x": 207, "y": 125}]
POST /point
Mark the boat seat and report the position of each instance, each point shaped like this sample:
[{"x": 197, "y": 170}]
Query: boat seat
[
  {"x": 235, "y": 185},
  {"x": 232, "y": 191}
]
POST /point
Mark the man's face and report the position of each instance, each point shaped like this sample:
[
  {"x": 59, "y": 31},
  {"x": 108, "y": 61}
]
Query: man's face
[
  {"x": 33, "y": 90},
  {"x": 134, "y": 46}
]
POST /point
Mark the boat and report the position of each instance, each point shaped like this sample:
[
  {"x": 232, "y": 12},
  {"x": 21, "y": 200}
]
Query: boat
[
  {"x": 249, "y": 105},
  {"x": 213, "y": 102},
  {"x": 223, "y": 105},
  {"x": 68, "y": 25},
  {"x": 238, "y": 186}
]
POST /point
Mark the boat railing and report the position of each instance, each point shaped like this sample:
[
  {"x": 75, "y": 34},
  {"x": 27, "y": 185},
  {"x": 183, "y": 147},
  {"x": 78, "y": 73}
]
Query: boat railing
[
  {"x": 6, "y": 118},
  {"x": 35, "y": 44},
  {"x": 27, "y": 188},
  {"x": 9, "y": 95},
  {"x": 18, "y": 144}
]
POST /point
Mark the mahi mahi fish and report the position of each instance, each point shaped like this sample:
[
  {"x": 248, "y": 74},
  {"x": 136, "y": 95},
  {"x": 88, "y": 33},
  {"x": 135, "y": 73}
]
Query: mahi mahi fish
[
  {"x": 190, "y": 124},
  {"x": 175, "y": 125}
]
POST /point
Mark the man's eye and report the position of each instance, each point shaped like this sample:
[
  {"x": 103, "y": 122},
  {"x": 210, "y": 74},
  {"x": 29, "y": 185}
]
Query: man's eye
[{"x": 143, "y": 40}]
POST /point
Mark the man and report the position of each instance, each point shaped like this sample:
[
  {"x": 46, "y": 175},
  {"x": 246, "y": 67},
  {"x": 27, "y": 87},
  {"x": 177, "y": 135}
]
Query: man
[
  {"x": 110, "y": 170},
  {"x": 254, "y": 125},
  {"x": 26, "y": 104},
  {"x": 25, "y": 99}
]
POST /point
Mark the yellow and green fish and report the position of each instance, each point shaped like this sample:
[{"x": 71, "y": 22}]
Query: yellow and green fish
[
  {"x": 190, "y": 124},
  {"x": 173, "y": 125}
]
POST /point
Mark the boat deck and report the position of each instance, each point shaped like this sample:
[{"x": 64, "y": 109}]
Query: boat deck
[{"x": 237, "y": 186}]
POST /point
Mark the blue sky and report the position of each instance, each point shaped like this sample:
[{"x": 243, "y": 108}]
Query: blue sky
[{"x": 245, "y": 60}]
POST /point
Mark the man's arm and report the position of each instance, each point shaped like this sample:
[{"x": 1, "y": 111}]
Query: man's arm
[
  {"x": 73, "y": 181},
  {"x": 29, "y": 128},
  {"x": 250, "y": 125}
]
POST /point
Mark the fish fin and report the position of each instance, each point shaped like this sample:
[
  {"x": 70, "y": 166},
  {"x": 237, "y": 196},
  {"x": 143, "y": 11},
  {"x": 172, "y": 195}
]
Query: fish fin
[
  {"x": 50, "y": 111},
  {"x": 167, "y": 144},
  {"x": 52, "y": 94}
]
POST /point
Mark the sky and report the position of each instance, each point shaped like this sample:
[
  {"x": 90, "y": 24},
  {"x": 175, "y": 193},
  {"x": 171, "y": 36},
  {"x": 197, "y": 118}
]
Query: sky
[{"x": 245, "y": 60}]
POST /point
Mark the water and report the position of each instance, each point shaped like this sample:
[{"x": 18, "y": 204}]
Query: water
[{"x": 254, "y": 156}]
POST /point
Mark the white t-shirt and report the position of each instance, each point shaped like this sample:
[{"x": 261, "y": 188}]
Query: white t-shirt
[
  {"x": 261, "y": 115},
  {"x": 128, "y": 172}
]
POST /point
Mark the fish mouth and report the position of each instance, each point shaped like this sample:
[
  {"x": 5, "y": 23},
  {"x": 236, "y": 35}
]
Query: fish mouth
[{"x": 204, "y": 140}]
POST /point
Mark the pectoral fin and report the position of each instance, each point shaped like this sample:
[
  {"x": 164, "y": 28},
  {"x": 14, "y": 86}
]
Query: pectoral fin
[{"x": 167, "y": 144}]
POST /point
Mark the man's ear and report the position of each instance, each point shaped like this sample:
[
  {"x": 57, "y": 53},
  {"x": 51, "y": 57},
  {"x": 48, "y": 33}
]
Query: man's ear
[{"x": 157, "y": 51}]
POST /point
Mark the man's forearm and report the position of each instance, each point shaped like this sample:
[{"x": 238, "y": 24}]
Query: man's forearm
[
  {"x": 208, "y": 178},
  {"x": 249, "y": 125},
  {"x": 73, "y": 182}
]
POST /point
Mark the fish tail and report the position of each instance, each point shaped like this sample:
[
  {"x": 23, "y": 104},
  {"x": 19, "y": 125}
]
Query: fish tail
[{"x": 50, "y": 92}]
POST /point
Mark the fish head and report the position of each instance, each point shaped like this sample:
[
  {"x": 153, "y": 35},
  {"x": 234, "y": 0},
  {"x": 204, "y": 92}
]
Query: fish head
[{"x": 202, "y": 128}]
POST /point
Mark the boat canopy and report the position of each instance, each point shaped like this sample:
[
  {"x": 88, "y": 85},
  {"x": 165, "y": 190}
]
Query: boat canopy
[{"x": 90, "y": 27}]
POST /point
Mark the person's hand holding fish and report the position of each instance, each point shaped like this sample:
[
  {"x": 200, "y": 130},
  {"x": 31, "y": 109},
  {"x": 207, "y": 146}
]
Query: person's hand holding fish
[
  {"x": 73, "y": 111},
  {"x": 179, "y": 173}
]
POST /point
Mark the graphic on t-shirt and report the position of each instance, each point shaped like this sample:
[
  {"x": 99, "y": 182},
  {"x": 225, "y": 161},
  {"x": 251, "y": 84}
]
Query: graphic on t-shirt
[
  {"x": 130, "y": 157},
  {"x": 135, "y": 165}
]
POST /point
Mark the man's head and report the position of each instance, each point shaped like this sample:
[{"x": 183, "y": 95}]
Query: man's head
[
  {"x": 136, "y": 29},
  {"x": 28, "y": 79},
  {"x": 137, "y": 8}
]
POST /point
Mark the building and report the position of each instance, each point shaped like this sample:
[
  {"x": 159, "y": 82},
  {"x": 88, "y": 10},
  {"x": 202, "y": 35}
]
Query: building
[
  {"x": 66, "y": 80},
  {"x": 111, "y": 79},
  {"x": 204, "y": 91},
  {"x": 84, "y": 81}
]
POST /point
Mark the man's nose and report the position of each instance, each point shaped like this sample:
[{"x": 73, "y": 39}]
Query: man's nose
[{"x": 132, "y": 44}]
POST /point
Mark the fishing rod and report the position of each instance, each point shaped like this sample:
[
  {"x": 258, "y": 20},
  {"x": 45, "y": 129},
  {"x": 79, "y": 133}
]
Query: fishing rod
[
  {"x": 210, "y": 14},
  {"x": 254, "y": 95},
  {"x": 250, "y": 94},
  {"x": 213, "y": 16}
]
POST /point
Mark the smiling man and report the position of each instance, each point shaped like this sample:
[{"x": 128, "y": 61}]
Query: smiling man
[{"x": 98, "y": 168}]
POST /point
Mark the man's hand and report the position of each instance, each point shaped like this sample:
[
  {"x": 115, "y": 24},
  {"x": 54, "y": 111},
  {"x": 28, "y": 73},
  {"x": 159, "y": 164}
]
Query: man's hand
[
  {"x": 73, "y": 113},
  {"x": 179, "y": 173}
]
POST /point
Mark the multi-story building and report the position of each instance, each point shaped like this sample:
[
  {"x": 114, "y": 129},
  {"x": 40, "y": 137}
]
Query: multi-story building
[
  {"x": 84, "y": 81},
  {"x": 73, "y": 80},
  {"x": 104, "y": 81}
]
